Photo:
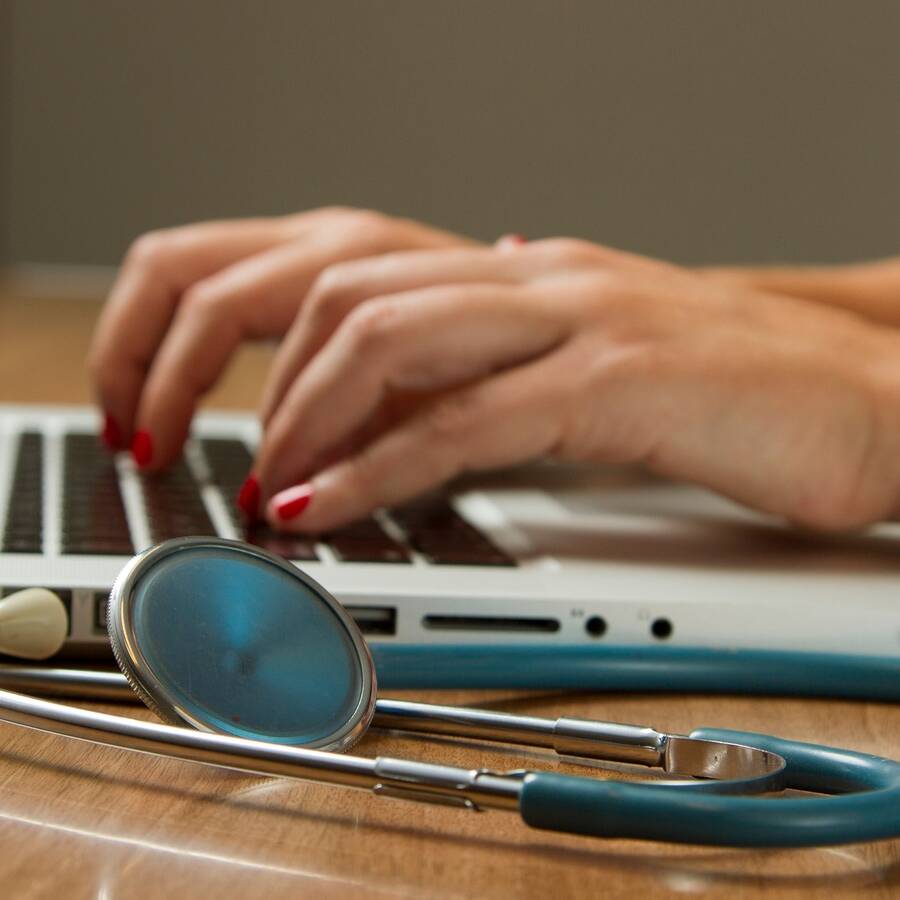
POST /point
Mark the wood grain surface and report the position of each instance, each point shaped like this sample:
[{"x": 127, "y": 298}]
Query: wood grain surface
[{"x": 84, "y": 821}]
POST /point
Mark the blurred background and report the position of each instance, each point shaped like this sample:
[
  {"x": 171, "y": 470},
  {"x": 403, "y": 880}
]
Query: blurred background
[{"x": 702, "y": 131}]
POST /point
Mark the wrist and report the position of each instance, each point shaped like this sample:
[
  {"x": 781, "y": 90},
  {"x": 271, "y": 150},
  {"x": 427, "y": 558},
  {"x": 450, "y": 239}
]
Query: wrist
[
  {"x": 870, "y": 289},
  {"x": 884, "y": 387},
  {"x": 820, "y": 283}
]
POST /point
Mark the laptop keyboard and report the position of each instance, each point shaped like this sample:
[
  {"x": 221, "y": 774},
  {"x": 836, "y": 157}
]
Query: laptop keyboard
[
  {"x": 24, "y": 516},
  {"x": 94, "y": 518},
  {"x": 93, "y": 512}
]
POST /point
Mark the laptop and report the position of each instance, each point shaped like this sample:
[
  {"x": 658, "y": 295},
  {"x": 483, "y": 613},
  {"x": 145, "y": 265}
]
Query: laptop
[{"x": 543, "y": 555}]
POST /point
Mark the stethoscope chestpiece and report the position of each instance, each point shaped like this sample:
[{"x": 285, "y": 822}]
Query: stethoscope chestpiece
[{"x": 228, "y": 638}]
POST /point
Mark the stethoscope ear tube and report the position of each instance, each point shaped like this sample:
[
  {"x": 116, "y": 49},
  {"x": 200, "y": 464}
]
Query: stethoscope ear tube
[
  {"x": 665, "y": 668},
  {"x": 614, "y": 809}
]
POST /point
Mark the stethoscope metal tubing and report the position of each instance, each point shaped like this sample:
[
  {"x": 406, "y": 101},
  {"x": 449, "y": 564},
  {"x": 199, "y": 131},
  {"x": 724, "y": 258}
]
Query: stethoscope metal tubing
[
  {"x": 745, "y": 769},
  {"x": 869, "y": 808},
  {"x": 413, "y": 780},
  {"x": 734, "y": 767}
]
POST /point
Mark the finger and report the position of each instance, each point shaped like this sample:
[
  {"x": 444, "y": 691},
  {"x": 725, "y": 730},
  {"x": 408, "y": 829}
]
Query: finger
[
  {"x": 254, "y": 298},
  {"x": 420, "y": 340},
  {"x": 344, "y": 287},
  {"x": 502, "y": 420},
  {"x": 158, "y": 269}
]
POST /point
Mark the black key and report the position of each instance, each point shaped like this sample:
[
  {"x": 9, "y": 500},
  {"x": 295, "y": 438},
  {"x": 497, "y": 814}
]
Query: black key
[
  {"x": 229, "y": 464},
  {"x": 93, "y": 518},
  {"x": 366, "y": 541},
  {"x": 29, "y": 544},
  {"x": 482, "y": 555},
  {"x": 290, "y": 546},
  {"x": 97, "y": 546},
  {"x": 444, "y": 537},
  {"x": 174, "y": 505},
  {"x": 23, "y": 532}
]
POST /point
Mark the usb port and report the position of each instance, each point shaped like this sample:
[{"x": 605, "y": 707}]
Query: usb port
[
  {"x": 101, "y": 600},
  {"x": 374, "y": 619}
]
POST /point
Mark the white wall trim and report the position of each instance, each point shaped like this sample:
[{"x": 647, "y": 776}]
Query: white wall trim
[{"x": 59, "y": 281}]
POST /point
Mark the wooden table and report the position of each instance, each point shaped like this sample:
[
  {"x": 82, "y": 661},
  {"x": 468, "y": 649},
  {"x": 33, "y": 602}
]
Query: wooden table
[{"x": 78, "y": 820}]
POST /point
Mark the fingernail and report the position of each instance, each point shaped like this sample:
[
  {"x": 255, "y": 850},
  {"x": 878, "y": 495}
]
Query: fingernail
[
  {"x": 510, "y": 240},
  {"x": 248, "y": 498},
  {"x": 111, "y": 434},
  {"x": 290, "y": 503},
  {"x": 142, "y": 448}
]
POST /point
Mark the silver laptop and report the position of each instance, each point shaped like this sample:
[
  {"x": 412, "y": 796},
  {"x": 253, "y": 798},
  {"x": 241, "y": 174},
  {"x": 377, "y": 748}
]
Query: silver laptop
[{"x": 542, "y": 555}]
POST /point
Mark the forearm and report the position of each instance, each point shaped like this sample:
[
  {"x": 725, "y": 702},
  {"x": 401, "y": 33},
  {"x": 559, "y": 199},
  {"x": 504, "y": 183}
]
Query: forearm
[{"x": 869, "y": 289}]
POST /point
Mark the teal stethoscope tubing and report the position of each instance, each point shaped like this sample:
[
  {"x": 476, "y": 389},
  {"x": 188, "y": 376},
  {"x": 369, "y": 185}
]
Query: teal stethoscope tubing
[
  {"x": 868, "y": 810},
  {"x": 611, "y": 668},
  {"x": 689, "y": 814}
]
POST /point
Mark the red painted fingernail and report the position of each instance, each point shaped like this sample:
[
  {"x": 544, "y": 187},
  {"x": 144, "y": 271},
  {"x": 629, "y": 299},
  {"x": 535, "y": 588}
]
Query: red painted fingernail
[
  {"x": 290, "y": 503},
  {"x": 511, "y": 240},
  {"x": 142, "y": 448},
  {"x": 248, "y": 498},
  {"x": 111, "y": 434}
]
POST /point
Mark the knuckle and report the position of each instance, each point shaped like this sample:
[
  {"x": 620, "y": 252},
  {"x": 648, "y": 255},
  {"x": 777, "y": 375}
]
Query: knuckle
[
  {"x": 347, "y": 225},
  {"x": 331, "y": 289},
  {"x": 570, "y": 251},
  {"x": 364, "y": 226},
  {"x": 449, "y": 419},
  {"x": 617, "y": 302},
  {"x": 366, "y": 218},
  {"x": 150, "y": 251},
  {"x": 371, "y": 326},
  {"x": 201, "y": 301},
  {"x": 335, "y": 211}
]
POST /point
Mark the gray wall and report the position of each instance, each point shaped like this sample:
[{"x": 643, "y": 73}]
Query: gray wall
[
  {"x": 699, "y": 131},
  {"x": 5, "y": 118}
]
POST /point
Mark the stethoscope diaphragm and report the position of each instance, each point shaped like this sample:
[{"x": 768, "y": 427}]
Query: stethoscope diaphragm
[{"x": 226, "y": 637}]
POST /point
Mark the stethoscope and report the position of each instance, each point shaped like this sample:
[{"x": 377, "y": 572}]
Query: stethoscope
[{"x": 274, "y": 677}]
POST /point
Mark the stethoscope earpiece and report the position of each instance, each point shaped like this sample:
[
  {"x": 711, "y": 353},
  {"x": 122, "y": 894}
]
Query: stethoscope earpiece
[{"x": 33, "y": 624}]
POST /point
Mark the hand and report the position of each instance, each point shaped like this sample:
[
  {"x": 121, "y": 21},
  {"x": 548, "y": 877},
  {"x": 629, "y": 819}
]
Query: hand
[
  {"x": 186, "y": 297},
  {"x": 567, "y": 350}
]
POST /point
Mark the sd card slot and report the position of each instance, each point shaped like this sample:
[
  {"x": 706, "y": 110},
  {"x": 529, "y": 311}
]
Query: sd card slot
[{"x": 491, "y": 623}]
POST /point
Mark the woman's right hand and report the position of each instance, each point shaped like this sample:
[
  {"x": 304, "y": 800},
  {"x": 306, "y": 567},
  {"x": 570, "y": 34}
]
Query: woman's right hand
[
  {"x": 568, "y": 350},
  {"x": 186, "y": 297}
]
